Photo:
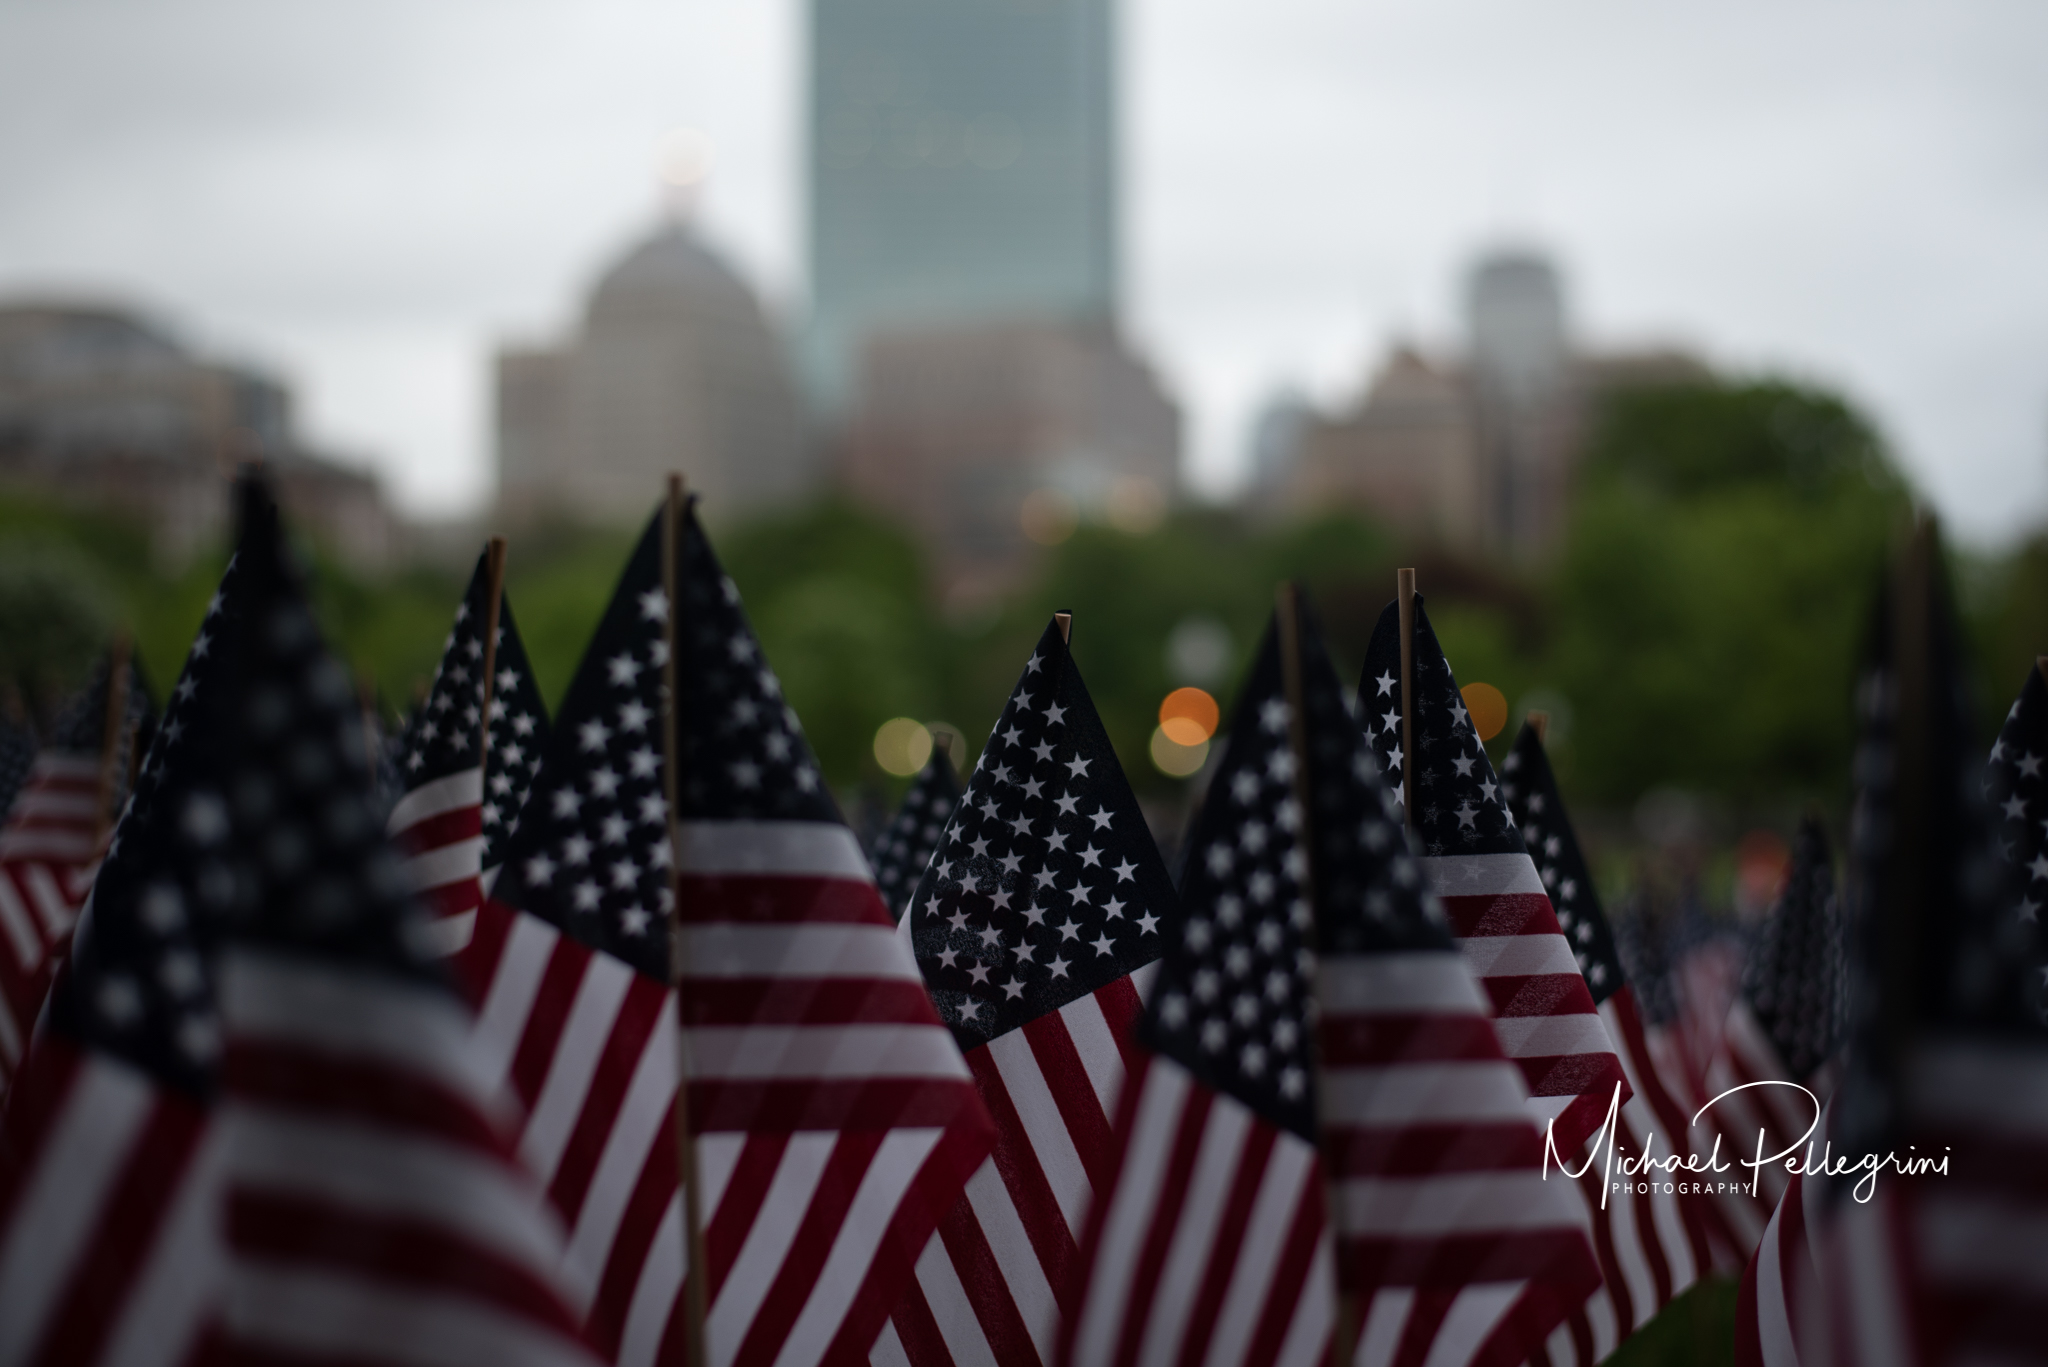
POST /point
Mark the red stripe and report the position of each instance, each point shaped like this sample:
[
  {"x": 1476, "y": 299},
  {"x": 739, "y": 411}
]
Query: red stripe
[
  {"x": 476, "y": 965},
  {"x": 1017, "y": 1163},
  {"x": 805, "y": 1001},
  {"x": 124, "y": 1236},
  {"x": 1354, "y": 1040},
  {"x": 541, "y": 1032},
  {"x": 830, "y": 1199},
  {"x": 995, "y": 1311},
  {"x": 1226, "y": 1245},
  {"x": 1583, "y": 1116},
  {"x": 918, "y": 1331},
  {"x": 725, "y": 1229},
  {"x": 1425, "y": 1317},
  {"x": 1290, "y": 1275},
  {"x": 1538, "y": 994},
  {"x": 451, "y": 827},
  {"x": 1121, "y": 1006},
  {"x": 1590, "y": 1077},
  {"x": 1421, "y": 1150},
  {"x": 632, "y": 1027},
  {"x": 782, "y": 899},
  {"x": 1080, "y": 1109},
  {"x": 417, "y": 1254},
  {"x": 1591, "y": 1183},
  {"x": 453, "y": 898},
  {"x": 1508, "y": 913},
  {"x": 638, "y": 1226},
  {"x": 331, "y": 1088},
  {"x": 1453, "y": 1260},
  {"x": 836, "y": 1104},
  {"x": 1542, "y": 1306},
  {"x": 1178, "y": 1162}
]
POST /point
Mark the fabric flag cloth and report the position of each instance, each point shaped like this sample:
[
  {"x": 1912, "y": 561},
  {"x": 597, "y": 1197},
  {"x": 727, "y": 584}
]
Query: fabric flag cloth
[
  {"x": 833, "y": 1119},
  {"x": 1655, "y": 1231},
  {"x": 17, "y": 756},
  {"x": 1211, "y": 1242},
  {"x": 1474, "y": 860},
  {"x": 1036, "y": 925},
  {"x": 2016, "y": 788},
  {"x": 50, "y": 846},
  {"x": 1782, "y": 1039},
  {"x": 908, "y": 842},
  {"x": 457, "y": 806}
]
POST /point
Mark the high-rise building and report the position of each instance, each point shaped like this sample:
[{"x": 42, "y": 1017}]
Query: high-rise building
[{"x": 961, "y": 170}]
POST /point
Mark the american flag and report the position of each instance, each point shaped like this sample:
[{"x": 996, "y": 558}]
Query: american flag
[
  {"x": 1654, "y": 1237},
  {"x": 49, "y": 847},
  {"x": 908, "y": 842},
  {"x": 1036, "y": 925},
  {"x": 106, "y": 1187},
  {"x": 2017, "y": 789},
  {"x": 372, "y": 1208},
  {"x": 1475, "y": 861},
  {"x": 1212, "y": 1243},
  {"x": 1785, "y": 1027},
  {"x": 833, "y": 1119},
  {"x": 458, "y": 806}
]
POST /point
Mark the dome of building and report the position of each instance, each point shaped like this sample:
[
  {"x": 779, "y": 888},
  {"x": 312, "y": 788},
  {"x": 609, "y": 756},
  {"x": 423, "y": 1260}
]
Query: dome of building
[{"x": 678, "y": 369}]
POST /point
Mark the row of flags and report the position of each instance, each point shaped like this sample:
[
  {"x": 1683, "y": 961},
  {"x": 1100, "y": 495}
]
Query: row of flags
[{"x": 601, "y": 1038}]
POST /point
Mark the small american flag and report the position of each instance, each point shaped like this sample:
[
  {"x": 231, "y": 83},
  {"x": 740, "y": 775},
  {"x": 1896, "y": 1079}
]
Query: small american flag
[
  {"x": 372, "y": 1207},
  {"x": 912, "y": 836},
  {"x": 1036, "y": 925},
  {"x": 2018, "y": 791},
  {"x": 832, "y": 1116},
  {"x": 1212, "y": 1241},
  {"x": 1654, "y": 1239},
  {"x": 50, "y": 846},
  {"x": 457, "y": 805},
  {"x": 1785, "y": 1027},
  {"x": 1475, "y": 861}
]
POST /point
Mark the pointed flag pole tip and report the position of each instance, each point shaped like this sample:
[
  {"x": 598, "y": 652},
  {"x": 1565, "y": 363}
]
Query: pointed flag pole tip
[
  {"x": 1066, "y": 621},
  {"x": 1539, "y": 722}
]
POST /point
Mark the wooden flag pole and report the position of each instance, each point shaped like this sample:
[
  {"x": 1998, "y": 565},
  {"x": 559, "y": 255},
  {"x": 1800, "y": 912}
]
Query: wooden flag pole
[
  {"x": 678, "y": 951},
  {"x": 114, "y": 731},
  {"x": 1066, "y": 621},
  {"x": 1539, "y": 722},
  {"x": 494, "y": 585},
  {"x": 1404, "y": 596},
  {"x": 1287, "y": 613}
]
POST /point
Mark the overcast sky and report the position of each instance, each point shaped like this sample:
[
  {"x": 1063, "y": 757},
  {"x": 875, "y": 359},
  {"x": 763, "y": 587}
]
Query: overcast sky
[{"x": 366, "y": 196}]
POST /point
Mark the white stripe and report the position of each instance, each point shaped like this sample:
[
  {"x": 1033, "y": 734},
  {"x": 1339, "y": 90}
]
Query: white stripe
[
  {"x": 1560, "y": 1347},
  {"x": 60, "y": 766},
  {"x": 412, "y": 1029},
  {"x": 1193, "y": 1243},
  {"x": 437, "y": 797},
  {"x": 1015, "y": 1258},
  {"x": 890, "y": 1172},
  {"x": 1864, "y": 1247},
  {"x": 14, "y": 919},
  {"x": 1470, "y": 1319},
  {"x": 1315, "y": 1311},
  {"x": 1667, "y": 1216},
  {"x": 444, "y": 864},
  {"x": 10, "y": 1045},
  {"x": 176, "y": 1292},
  {"x": 1458, "y": 1202},
  {"x": 1775, "y": 1336},
  {"x": 960, "y": 1329},
  {"x": 1406, "y": 982},
  {"x": 51, "y": 904},
  {"x": 643, "y": 1121},
  {"x": 802, "y": 849},
  {"x": 1386, "y": 1316},
  {"x": 1480, "y": 875},
  {"x": 390, "y": 1172},
  {"x": 1133, "y": 1200},
  {"x": 83, "y": 1154},
  {"x": 1142, "y": 977},
  {"x": 57, "y": 804},
  {"x": 768, "y": 1241},
  {"x": 578, "y": 1048},
  {"x": 1600, "y": 1316},
  {"x": 822, "y": 1051},
  {"x": 448, "y": 936},
  {"x": 729, "y": 950},
  {"x": 326, "y": 1312},
  {"x": 1101, "y": 1060},
  {"x": 1545, "y": 1036},
  {"x": 1052, "y": 1144},
  {"x": 1290, "y": 1166},
  {"x": 888, "y": 1349},
  {"x": 655, "y": 1291},
  {"x": 1628, "y": 1239},
  {"x": 1517, "y": 956},
  {"x": 1422, "y": 1093},
  {"x": 508, "y": 1003},
  {"x": 55, "y": 844}
]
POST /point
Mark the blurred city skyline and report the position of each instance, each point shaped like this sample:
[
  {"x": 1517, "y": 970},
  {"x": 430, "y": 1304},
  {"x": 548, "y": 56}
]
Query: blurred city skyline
[{"x": 367, "y": 201}]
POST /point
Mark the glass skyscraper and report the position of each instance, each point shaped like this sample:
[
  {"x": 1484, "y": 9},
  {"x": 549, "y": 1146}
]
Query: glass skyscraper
[{"x": 961, "y": 169}]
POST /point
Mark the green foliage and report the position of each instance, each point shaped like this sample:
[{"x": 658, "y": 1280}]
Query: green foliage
[{"x": 1696, "y": 1330}]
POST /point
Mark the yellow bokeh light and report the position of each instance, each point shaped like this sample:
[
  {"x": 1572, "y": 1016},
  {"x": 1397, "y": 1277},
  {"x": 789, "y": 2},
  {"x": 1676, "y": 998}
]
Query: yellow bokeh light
[
  {"x": 1488, "y": 708},
  {"x": 1172, "y": 758},
  {"x": 1048, "y": 516},
  {"x": 902, "y": 746},
  {"x": 1188, "y": 716}
]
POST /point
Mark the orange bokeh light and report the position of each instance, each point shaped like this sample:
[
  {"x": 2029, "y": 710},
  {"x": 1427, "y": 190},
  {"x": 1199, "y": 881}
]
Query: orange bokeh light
[
  {"x": 1488, "y": 708},
  {"x": 1189, "y": 716}
]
